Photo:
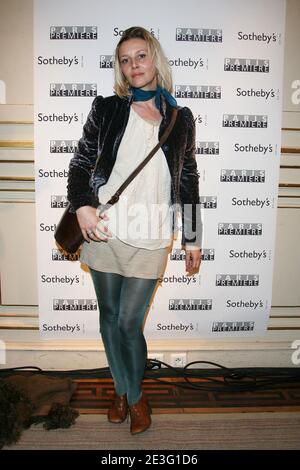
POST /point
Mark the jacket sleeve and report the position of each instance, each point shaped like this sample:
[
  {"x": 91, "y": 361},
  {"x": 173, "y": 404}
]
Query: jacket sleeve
[
  {"x": 79, "y": 192},
  {"x": 189, "y": 189}
]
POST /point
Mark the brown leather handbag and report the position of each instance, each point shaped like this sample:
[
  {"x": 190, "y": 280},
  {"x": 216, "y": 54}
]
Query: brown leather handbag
[{"x": 68, "y": 234}]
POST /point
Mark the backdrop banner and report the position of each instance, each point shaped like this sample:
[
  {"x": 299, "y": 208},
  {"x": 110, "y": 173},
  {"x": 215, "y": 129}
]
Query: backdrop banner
[{"x": 227, "y": 64}]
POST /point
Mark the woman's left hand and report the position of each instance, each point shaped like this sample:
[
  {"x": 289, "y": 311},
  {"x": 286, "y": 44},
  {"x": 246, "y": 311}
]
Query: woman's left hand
[{"x": 192, "y": 260}]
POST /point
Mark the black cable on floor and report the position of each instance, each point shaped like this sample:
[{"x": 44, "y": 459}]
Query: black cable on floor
[
  {"x": 228, "y": 379},
  {"x": 234, "y": 379}
]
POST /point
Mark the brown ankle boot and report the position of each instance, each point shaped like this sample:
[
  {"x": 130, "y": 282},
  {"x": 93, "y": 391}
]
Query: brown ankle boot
[
  {"x": 118, "y": 409},
  {"x": 140, "y": 418}
]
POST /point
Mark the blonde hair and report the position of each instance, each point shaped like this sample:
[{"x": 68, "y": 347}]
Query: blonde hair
[{"x": 164, "y": 74}]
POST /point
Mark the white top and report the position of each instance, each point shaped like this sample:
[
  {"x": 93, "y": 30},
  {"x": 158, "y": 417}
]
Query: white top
[{"x": 142, "y": 216}]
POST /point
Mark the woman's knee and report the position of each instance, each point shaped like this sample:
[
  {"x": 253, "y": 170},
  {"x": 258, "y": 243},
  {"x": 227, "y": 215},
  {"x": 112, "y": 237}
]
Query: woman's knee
[{"x": 129, "y": 328}]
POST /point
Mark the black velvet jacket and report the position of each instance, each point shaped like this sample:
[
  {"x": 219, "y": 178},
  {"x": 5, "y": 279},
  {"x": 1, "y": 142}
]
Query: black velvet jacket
[{"x": 102, "y": 134}]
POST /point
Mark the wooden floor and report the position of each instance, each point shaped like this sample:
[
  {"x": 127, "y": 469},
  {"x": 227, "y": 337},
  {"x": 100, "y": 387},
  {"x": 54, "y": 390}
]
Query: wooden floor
[{"x": 93, "y": 396}]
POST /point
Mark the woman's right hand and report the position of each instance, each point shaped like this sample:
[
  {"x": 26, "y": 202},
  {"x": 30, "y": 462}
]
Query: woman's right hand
[{"x": 91, "y": 225}]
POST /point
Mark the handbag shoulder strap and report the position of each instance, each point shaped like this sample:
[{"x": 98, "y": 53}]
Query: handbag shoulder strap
[{"x": 139, "y": 168}]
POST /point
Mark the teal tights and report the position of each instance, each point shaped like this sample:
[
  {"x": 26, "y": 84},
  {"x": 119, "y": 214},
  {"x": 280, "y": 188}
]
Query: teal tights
[{"x": 123, "y": 302}]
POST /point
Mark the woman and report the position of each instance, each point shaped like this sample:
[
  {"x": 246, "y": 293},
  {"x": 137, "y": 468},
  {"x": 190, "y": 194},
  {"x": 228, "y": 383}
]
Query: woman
[{"x": 126, "y": 265}]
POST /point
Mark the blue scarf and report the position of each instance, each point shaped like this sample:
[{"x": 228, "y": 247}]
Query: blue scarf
[{"x": 145, "y": 95}]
